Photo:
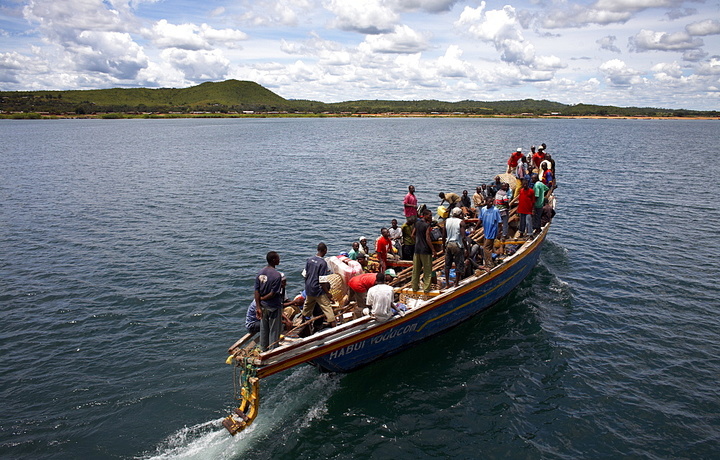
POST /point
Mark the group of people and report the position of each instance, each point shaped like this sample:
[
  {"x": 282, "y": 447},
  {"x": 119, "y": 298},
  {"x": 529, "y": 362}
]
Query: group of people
[{"x": 420, "y": 239}]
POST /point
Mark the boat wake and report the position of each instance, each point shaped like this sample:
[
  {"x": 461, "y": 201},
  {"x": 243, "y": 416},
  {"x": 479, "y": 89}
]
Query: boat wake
[{"x": 300, "y": 396}]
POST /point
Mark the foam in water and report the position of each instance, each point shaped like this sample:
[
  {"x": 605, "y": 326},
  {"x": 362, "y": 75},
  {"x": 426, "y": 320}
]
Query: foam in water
[{"x": 303, "y": 397}]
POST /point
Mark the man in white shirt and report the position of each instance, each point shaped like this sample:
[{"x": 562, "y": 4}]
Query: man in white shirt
[{"x": 380, "y": 297}]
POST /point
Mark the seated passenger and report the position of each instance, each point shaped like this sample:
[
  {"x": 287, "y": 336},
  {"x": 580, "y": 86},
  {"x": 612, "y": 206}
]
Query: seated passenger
[
  {"x": 355, "y": 250},
  {"x": 380, "y": 296},
  {"x": 252, "y": 322}
]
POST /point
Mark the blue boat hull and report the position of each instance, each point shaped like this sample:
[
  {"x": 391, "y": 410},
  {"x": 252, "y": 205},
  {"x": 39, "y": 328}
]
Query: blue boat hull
[{"x": 443, "y": 313}]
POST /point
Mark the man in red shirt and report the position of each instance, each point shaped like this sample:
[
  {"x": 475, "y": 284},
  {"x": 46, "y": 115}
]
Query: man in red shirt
[
  {"x": 526, "y": 203},
  {"x": 359, "y": 286},
  {"x": 539, "y": 156},
  {"x": 513, "y": 160},
  {"x": 383, "y": 246}
]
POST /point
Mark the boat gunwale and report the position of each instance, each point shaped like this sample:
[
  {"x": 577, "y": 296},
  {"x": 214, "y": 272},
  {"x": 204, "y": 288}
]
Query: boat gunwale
[{"x": 315, "y": 349}]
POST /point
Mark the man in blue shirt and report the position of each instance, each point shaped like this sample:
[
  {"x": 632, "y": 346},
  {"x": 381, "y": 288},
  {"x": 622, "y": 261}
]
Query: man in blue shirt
[
  {"x": 490, "y": 217},
  {"x": 268, "y": 295},
  {"x": 318, "y": 292}
]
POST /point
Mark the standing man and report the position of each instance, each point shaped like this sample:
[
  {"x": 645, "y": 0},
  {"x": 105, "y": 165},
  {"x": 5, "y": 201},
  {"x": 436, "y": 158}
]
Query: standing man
[
  {"x": 318, "y": 292},
  {"x": 383, "y": 247},
  {"x": 408, "y": 240},
  {"x": 410, "y": 202},
  {"x": 490, "y": 217},
  {"x": 269, "y": 297},
  {"x": 526, "y": 201},
  {"x": 455, "y": 248},
  {"x": 540, "y": 190},
  {"x": 502, "y": 203},
  {"x": 478, "y": 198},
  {"x": 424, "y": 252},
  {"x": 513, "y": 160}
]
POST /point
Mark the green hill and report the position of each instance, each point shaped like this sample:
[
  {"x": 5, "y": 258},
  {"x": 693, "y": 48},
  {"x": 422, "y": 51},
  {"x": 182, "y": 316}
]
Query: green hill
[{"x": 237, "y": 96}]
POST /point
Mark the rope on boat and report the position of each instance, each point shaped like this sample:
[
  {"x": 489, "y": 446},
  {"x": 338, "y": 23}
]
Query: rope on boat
[{"x": 249, "y": 393}]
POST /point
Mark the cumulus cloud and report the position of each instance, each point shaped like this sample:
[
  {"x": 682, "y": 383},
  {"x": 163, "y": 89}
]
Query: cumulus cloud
[
  {"x": 274, "y": 12},
  {"x": 431, "y": 6},
  {"x": 647, "y": 40},
  {"x": 694, "y": 55},
  {"x": 451, "y": 65},
  {"x": 666, "y": 70},
  {"x": 402, "y": 40},
  {"x": 677, "y": 13},
  {"x": 197, "y": 66},
  {"x": 502, "y": 28},
  {"x": 364, "y": 16},
  {"x": 618, "y": 74},
  {"x": 192, "y": 37},
  {"x": 600, "y": 12},
  {"x": 608, "y": 43},
  {"x": 711, "y": 68},
  {"x": 703, "y": 28}
]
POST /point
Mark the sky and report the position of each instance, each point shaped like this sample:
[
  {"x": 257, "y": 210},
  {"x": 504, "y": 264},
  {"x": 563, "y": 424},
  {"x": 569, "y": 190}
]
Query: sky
[{"x": 643, "y": 53}]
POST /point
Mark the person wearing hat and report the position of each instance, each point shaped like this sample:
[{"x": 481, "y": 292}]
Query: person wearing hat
[
  {"x": 539, "y": 157},
  {"x": 514, "y": 159},
  {"x": 380, "y": 297},
  {"x": 455, "y": 248}
]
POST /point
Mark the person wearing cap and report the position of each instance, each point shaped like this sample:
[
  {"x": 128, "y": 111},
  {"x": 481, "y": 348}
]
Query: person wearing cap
[
  {"x": 513, "y": 160},
  {"x": 490, "y": 217},
  {"x": 538, "y": 157},
  {"x": 318, "y": 292},
  {"x": 380, "y": 297},
  {"x": 455, "y": 248},
  {"x": 269, "y": 296}
]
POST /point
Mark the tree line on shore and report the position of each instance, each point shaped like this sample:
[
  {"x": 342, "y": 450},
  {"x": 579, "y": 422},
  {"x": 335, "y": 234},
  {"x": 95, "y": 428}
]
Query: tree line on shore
[{"x": 234, "y": 97}]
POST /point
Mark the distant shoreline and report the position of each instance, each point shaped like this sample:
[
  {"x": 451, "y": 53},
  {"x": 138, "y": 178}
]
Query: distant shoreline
[{"x": 161, "y": 116}]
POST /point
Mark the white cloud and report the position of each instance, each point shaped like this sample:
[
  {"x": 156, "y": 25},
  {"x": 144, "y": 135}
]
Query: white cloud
[
  {"x": 711, "y": 68},
  {"x": 502, "y": 28},
  {"x": 647, "y": 40},
  {"x": 402, "y": 40},
  {"x": 618, "y": 74},
  {"x": 197, "y": 66},
  {"x": 608, "y": 43},
  {"x": 666, "y": 70},
  {"x": 192, "y": 37},
  {"x": 601, "y": 12},
  {"x": 365, "y": 16},
  {"x": 703, "y": 28},
  {"x": 267, "y": 13},
  {"x": 431, "y": 6}
]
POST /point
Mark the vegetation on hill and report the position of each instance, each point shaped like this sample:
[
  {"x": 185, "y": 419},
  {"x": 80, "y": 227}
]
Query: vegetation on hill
[{"x": 233, "y": 96}]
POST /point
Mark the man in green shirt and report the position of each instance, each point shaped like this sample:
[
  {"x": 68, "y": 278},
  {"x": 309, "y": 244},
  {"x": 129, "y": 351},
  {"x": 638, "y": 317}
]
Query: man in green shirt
[{"x": 540, "y": 191}]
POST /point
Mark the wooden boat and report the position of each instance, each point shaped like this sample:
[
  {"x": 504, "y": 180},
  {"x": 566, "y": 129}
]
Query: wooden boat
[{"x": 362, "y": 340}]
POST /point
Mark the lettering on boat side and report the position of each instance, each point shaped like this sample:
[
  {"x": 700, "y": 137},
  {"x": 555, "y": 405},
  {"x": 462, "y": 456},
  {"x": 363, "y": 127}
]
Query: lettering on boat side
[{"x": 374, "y": 340}]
